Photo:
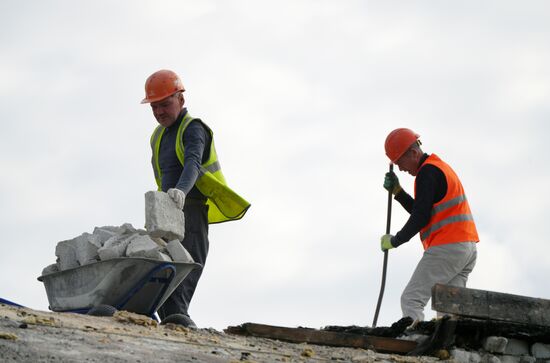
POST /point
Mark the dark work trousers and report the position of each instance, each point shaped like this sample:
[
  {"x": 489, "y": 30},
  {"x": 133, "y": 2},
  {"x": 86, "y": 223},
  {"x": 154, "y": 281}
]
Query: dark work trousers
[{"x": 196, "y": 243}]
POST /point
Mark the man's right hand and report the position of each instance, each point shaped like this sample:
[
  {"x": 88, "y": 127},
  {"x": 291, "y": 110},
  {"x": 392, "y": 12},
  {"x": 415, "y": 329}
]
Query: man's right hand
[
  {"x": 177, "y": 196},
  {"x": 391, "y": 183}
]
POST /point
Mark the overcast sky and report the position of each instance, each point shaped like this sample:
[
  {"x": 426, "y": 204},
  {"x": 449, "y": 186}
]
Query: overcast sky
[{"x": 300, "y": 95}]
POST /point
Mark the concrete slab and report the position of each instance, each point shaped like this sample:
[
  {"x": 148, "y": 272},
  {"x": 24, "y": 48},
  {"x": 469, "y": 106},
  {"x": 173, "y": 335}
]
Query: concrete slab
[{"x": 162, "y": 217}]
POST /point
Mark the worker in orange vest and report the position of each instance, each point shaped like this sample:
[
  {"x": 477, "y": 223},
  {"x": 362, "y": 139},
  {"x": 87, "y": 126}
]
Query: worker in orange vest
[{"x": 439, "y": 211}]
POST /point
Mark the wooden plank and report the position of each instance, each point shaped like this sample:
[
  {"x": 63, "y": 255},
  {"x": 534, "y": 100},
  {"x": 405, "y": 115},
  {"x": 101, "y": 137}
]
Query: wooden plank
[
  {"x": 483, "y": 304},
  {"x": 320, "y": 337}
]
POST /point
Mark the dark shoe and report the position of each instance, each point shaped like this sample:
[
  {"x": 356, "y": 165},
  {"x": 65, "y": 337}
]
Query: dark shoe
[
  {"x": 180, "y": 319},
  {"x": 102, "y": 310}
]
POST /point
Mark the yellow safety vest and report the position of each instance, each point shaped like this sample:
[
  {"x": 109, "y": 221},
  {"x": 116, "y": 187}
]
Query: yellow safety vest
[{"x": 224, "y": 204}]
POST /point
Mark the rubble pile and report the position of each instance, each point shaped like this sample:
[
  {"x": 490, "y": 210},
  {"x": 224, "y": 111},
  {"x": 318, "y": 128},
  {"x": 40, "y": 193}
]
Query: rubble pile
[{"x": 164, "y": 228}]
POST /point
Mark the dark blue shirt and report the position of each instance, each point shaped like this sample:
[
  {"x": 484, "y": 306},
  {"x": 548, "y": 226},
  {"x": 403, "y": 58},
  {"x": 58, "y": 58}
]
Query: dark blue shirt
[{"x": 196, "y": 141}]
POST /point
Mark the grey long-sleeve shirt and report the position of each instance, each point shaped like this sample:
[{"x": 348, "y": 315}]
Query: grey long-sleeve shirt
[{"x": 196, "y": 141}]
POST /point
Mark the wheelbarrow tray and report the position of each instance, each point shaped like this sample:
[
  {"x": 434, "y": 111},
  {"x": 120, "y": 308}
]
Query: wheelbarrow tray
[{"x": 138, "y": 285}]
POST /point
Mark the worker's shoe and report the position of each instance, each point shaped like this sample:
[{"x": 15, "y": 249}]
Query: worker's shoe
[
  {"x": 413, "y": 325},
  {"x": 180, "y": 319}
]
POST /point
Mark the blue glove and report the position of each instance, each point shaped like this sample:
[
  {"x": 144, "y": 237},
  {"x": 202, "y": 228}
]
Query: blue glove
[
  {"x": 385, "y": 242},
  {"x": 391, "y": 183}
]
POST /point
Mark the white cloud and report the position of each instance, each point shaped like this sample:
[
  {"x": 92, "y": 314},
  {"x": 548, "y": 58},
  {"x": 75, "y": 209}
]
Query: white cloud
[{"x": 300, "y": 95}]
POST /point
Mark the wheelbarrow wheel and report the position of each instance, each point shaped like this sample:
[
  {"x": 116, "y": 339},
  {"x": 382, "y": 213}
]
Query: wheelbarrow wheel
[
  {"x": 102, "y": 310},
  {"x": 179, "y": 319}
]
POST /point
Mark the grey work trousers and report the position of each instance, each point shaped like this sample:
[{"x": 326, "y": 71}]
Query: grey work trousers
[
  {"x": 196, "y": 243},
  {"x": 448, "y": 264}
]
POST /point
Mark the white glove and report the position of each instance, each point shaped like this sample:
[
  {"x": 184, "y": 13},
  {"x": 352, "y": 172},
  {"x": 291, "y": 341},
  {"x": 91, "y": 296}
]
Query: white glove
[{"x": 177, "y": 196}]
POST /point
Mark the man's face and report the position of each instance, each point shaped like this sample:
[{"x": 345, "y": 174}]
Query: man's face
[
  {"x": 409, "y": 162},
  {"x": 166, "y": 111}
]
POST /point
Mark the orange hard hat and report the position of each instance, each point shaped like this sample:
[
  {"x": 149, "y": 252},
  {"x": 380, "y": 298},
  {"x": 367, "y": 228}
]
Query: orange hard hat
[
  {"x": 399, "y": 141},
  {"x": 162, "y": 84}
]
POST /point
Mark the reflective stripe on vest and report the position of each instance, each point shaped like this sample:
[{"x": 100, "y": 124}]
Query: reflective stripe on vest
[
  {"x": 224, "y": 204},
  {"x": 451, "y": 220}
]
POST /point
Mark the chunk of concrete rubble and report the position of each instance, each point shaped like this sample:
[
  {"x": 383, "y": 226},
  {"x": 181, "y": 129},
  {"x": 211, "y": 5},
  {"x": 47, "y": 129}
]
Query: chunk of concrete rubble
[
  {"x": 464, "y": 356},
  {"x": 157, "y": 255},
  {"x": 162, "y": 243},
  {"x": 104, "y": 234},
  {"x": 517, "y": 347},
  {"x": 494, "y": 344},
  {"x": 86, "y": 248},
  {"x": 50, "y": 269},
  {"x": 122, "y": 229},
  {"x": 162, "y": 217},
  {"x": 77, "y": 251},
  {"x": 178, "y": 252},
  {"x": 141, "y": 246},
  {"x": 115, "y": 246},
  {"x": 66, "y": 255},
  {"x": 540, "y": 350}
]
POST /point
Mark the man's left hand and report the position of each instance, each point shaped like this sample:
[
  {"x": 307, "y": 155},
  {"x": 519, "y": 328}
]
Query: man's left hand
[
  {"x": 177, "y": 196},
  {"x": 385, "y": 242}
]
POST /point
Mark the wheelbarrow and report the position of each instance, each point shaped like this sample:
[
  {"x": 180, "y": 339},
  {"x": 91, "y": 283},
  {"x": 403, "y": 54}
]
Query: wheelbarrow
[{"x": 139, "y": 285}]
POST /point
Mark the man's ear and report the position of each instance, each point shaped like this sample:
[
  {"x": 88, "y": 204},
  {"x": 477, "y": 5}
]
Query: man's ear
[{"x": 417, "y": 152}]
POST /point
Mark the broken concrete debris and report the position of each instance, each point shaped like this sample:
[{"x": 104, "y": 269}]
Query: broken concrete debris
[
  {"x": 89, "y": 248},
  {"x": 165, "y": 227}
]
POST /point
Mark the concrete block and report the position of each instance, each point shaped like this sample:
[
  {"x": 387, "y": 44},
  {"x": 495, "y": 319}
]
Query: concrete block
[
  {"x": 140, "y": 246},
  {"x": 540, "y": 351},
  {"x": 178, "y": 252},
  {"x": 463, "y": 356},
  {"x": 50, "y": 269},
  {"x": 103, "y": 234},
  {"x": 115, "y": 246},
  {"x": 517, "y": 347},
  {"x": 127, "y": 228},
  {"x": 86, "y": 246},
  {"x": 66, "y": 255},
  {"x": 162, "y": 217},
  {"x": 495, "y": 344}
]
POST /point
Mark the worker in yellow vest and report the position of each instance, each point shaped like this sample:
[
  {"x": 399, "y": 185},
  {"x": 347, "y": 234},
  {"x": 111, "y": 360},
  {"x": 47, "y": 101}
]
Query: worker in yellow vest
[
  {"x": 186, "y": 166},
  {"x": 439, "y": 211}
]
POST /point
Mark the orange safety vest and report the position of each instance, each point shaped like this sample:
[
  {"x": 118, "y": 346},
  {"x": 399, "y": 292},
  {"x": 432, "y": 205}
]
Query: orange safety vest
[{"x": 451, "y": 220}]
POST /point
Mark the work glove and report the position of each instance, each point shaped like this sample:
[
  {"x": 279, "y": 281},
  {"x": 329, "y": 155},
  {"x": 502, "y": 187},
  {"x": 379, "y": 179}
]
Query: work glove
[
  {"x": 391, "y": 183},
  {"x": 385, "y": 242},
  {"x": 177, "y": 196}
]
